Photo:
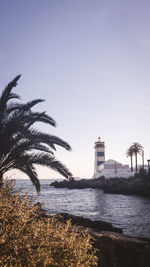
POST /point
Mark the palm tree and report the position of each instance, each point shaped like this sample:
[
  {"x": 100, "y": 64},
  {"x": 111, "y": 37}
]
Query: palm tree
[
  {"x": 21, "y": 146},
  {"x": 130, "y": 154},
  {"x": 137, "y": 149}
]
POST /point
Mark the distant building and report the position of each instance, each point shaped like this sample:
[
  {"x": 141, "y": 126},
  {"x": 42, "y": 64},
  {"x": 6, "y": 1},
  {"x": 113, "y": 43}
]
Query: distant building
[
  {"x": 112, "y": 168},
  {"x": 109, "y": 168},
  {"x": 99, "y": 155}
]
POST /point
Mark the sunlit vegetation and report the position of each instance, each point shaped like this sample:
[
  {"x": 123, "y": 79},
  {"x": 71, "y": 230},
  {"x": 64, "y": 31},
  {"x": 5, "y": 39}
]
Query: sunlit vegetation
[{"x": 27, "y": 239}]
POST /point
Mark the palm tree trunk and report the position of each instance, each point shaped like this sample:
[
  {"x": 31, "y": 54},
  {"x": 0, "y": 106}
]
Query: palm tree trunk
[
  {"x": 136, "y": 162},
  {"x": 143, "y": 158},
  {"x": 131, "y": 164}
]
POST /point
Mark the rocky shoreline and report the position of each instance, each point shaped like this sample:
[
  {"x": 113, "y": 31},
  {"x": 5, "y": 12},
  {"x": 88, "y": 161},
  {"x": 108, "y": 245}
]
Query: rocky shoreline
[
  {"x": 87, "y": 223},
  {"x": 131, "y": 186},
  {"x": 114, "y": 248}
]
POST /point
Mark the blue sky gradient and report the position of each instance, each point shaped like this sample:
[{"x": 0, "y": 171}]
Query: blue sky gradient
[{"x": 90, "y": 61}]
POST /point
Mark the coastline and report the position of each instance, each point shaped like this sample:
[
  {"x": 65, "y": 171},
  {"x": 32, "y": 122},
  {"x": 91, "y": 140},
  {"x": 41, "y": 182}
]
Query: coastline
[
  {"x": 139, "y": 186},
  {"x": 96, "y": 205},
  {"x": 114, "y": 248}
]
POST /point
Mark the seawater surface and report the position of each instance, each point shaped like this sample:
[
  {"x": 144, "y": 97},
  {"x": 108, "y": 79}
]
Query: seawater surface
[{"x": 131, "y": 213}]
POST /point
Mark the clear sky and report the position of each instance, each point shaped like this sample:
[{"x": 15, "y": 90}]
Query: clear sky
[{"x": 90, "y": 61}]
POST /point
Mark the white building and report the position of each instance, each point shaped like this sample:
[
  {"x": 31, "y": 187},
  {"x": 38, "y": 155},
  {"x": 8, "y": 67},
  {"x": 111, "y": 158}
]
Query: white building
[
  {"x": 109, "y": 168},
  {"x": 112, "y": 168}
]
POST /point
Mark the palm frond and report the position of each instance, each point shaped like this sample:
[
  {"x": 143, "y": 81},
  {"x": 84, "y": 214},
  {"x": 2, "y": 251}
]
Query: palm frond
[
  {"x": 50, "y": 140},
  {"x": 11, "y": 107},
  {"x": 130, "y": 152},
  {"x": 137, "y": 148},
  {"x": 51, "y": 162},
  {"x": 29, "y": 170},
  {"x": 7, "y": 91},
  {"x": 30, "y": 104},
  {"x": 19, "y": 141},
  {"x": 40, "y": 117},
  {"x": 5, "y": 96},
  {"x": 12, "y": 96},
  {"x": 61, "y": 168}
]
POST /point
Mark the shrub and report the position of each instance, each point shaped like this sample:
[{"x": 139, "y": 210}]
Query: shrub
[{"x": 26, "y": 239}]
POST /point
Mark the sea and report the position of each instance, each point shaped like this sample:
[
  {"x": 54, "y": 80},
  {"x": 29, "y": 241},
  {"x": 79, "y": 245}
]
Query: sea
[{"x": 131, "y": 213}]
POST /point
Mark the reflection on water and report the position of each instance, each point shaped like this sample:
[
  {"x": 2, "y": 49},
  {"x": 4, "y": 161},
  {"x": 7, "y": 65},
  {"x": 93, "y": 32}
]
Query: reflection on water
[{"x": 131, "y": 213}]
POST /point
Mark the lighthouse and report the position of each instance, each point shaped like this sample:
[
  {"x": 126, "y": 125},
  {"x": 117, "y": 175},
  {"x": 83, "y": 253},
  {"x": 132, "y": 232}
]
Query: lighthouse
[{"x": 99, "y": 157}]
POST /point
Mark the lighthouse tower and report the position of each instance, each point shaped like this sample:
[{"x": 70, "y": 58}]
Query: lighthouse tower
[{"x": 99, "y": 157}]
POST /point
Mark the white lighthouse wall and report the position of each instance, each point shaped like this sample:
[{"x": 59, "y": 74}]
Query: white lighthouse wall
[
  {"x": 102, "y": 158},
  {"x": 100, "y": 149},
  {"x": 99, "y": 156}
]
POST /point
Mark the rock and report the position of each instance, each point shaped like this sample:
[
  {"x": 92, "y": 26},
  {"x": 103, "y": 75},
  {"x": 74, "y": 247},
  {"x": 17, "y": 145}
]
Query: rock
[
  {"x": 79, "y": 184},
  {"x": 96, "y": 225},
  {"x": 130, "y": 186},
  {"x": 117, "y": 250},
  {"x": 114, "y": 248}
]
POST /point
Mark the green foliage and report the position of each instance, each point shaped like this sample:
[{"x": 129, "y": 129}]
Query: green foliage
[{"x": 26, "y": 239}]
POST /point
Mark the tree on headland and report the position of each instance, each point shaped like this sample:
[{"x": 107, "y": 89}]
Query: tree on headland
[
  {"x": 23, "y": 147},
  {"x": 130, "y": 153},
  {"x": 137, "y": 149}
]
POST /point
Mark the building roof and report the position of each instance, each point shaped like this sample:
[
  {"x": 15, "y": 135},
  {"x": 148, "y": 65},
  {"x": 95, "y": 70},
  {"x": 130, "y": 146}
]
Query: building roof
[{"x": 112, "y": 161}]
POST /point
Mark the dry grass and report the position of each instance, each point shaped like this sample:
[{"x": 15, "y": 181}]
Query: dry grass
[{"x": 26, "y": 240}]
